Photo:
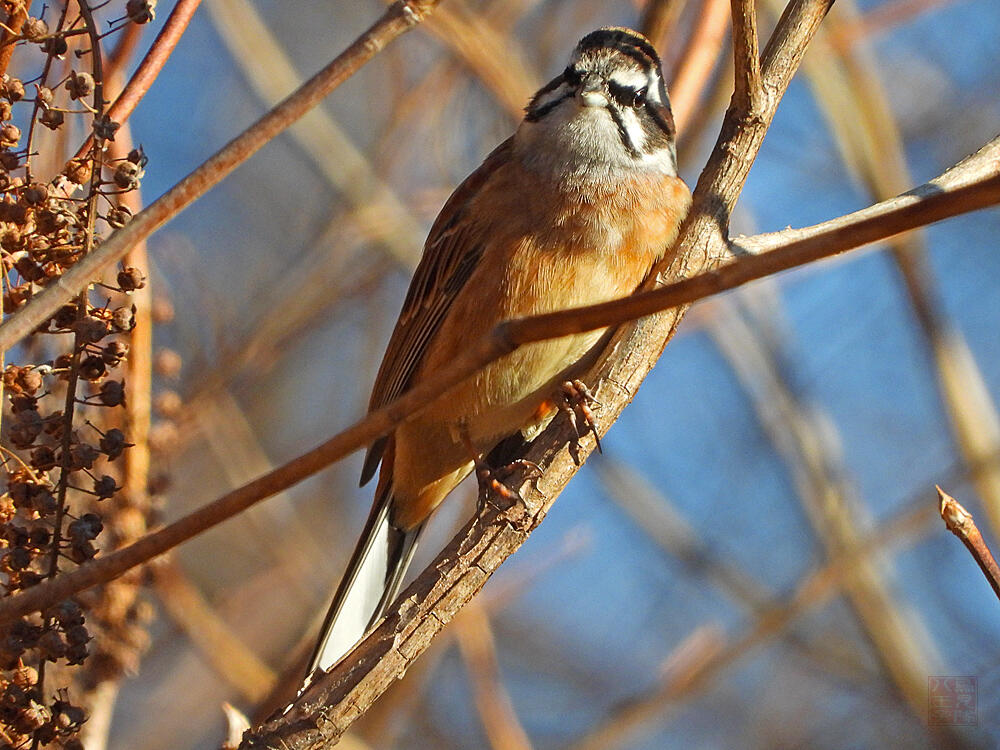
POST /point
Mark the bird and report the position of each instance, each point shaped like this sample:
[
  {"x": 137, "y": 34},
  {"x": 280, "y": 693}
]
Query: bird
[{"x": 573, "y": 209}]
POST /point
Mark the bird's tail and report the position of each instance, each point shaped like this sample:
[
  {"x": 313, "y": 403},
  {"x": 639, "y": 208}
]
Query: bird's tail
[{"x": 373, "y": 578}]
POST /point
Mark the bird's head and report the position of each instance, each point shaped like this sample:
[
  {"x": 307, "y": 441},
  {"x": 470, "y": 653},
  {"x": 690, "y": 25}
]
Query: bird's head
[{"x": 605, "y": 114}]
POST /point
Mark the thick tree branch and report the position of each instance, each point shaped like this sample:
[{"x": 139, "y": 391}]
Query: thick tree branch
[{"x": 399, "y": 18}]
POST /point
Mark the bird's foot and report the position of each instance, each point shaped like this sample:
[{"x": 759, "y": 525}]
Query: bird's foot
[
  {"x": 493, "y": 488},
  {"x": 576, "y": 401}
]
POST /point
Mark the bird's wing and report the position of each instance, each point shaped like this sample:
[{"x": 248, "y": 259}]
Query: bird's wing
[{"x": 451, "y": 254}]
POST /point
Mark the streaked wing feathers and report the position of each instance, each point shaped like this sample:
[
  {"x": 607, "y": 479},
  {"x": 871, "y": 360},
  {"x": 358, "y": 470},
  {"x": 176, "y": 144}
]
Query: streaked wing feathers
[{"x": 450, "y": 256}]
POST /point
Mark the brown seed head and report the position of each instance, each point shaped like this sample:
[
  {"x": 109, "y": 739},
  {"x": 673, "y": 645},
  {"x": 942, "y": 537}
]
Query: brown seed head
[
  {"x": 11, "y": 88},
  {"x": 34, "y": 29},
  {"x": 80, "y": 85}
]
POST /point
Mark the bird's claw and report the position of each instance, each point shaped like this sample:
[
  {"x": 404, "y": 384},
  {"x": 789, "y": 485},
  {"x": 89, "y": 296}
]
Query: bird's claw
[
  {"x": 493, "y": 488},
  {"x": 575, "y": 403}
]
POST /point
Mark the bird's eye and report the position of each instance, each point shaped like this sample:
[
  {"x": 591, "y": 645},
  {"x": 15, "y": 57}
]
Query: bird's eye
[
  {"x": 626, "y": 96},
  {"x": 572, "y": 76}
]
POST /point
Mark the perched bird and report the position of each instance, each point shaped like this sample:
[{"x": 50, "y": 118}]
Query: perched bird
[{"x": 573, "y": 209}]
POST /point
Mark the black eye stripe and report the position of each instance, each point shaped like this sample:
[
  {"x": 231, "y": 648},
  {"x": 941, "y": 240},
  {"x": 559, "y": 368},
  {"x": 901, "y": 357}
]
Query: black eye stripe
[
  {"x": 626, "y": 96},
  {"x": 535, "y": 113}
]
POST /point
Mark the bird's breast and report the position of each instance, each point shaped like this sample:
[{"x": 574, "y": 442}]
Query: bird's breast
[{"x": 545, "y": 249}]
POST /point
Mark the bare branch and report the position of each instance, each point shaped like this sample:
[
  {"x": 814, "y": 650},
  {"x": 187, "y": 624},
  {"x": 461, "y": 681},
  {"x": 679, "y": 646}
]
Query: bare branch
[
  {"x": 746, "y": 55},
  {"x": 399, "y": 18},
  {"x": 960, "y": 523},
  {"x": 150, "y": 67}
]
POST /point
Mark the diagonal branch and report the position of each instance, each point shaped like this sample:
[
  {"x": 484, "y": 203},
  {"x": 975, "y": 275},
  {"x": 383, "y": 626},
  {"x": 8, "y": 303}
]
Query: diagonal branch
[
  {"x": 399, "y": 18},
  {"x": 972, "y": 184},
  {"x": 150, "y": 67},
  {"x": 960, "y": 523},
  {"x": 746, "y": 55}
]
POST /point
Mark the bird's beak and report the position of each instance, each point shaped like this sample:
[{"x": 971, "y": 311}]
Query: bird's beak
[{"x": 591, "y": 92}]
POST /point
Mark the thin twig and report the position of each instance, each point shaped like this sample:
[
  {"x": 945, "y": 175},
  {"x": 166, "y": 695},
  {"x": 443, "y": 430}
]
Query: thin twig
[
  {"x": 150, "y": 67},
  {"x": 960, "y": 523},
  {"x": 399, "y": 18},
  {"x": 746, "y": 55},
  {"x": 969, "y": 190}
]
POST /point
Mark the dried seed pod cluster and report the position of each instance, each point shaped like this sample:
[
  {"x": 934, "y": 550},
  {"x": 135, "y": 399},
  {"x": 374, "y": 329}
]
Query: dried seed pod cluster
[{"x": 64, "y": 438}]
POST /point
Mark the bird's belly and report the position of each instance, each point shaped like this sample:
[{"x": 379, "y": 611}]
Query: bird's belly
[
  {"x": 506, "y": 395},
  {"x": 500, "y": 399}
]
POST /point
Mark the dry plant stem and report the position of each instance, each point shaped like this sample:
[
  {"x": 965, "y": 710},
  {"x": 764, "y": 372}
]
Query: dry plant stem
[
  {"x": 699, "y": 58},
  {"x": 135, "y": 470},
  {"x": 138, "y": 407},
  {"x": 973, "y": 184},
  {"x": 960, "y": 523},
  {"x": 222, "y": 648},
  {"x": 32, "y": 127},
  {"x": 399, "y": 18},
  {"x": 496, "y": 712},
  {"x": 151, "y": 65},
  {"x": 659, "y": 18},
  {"x": 73, "y": 379}
]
